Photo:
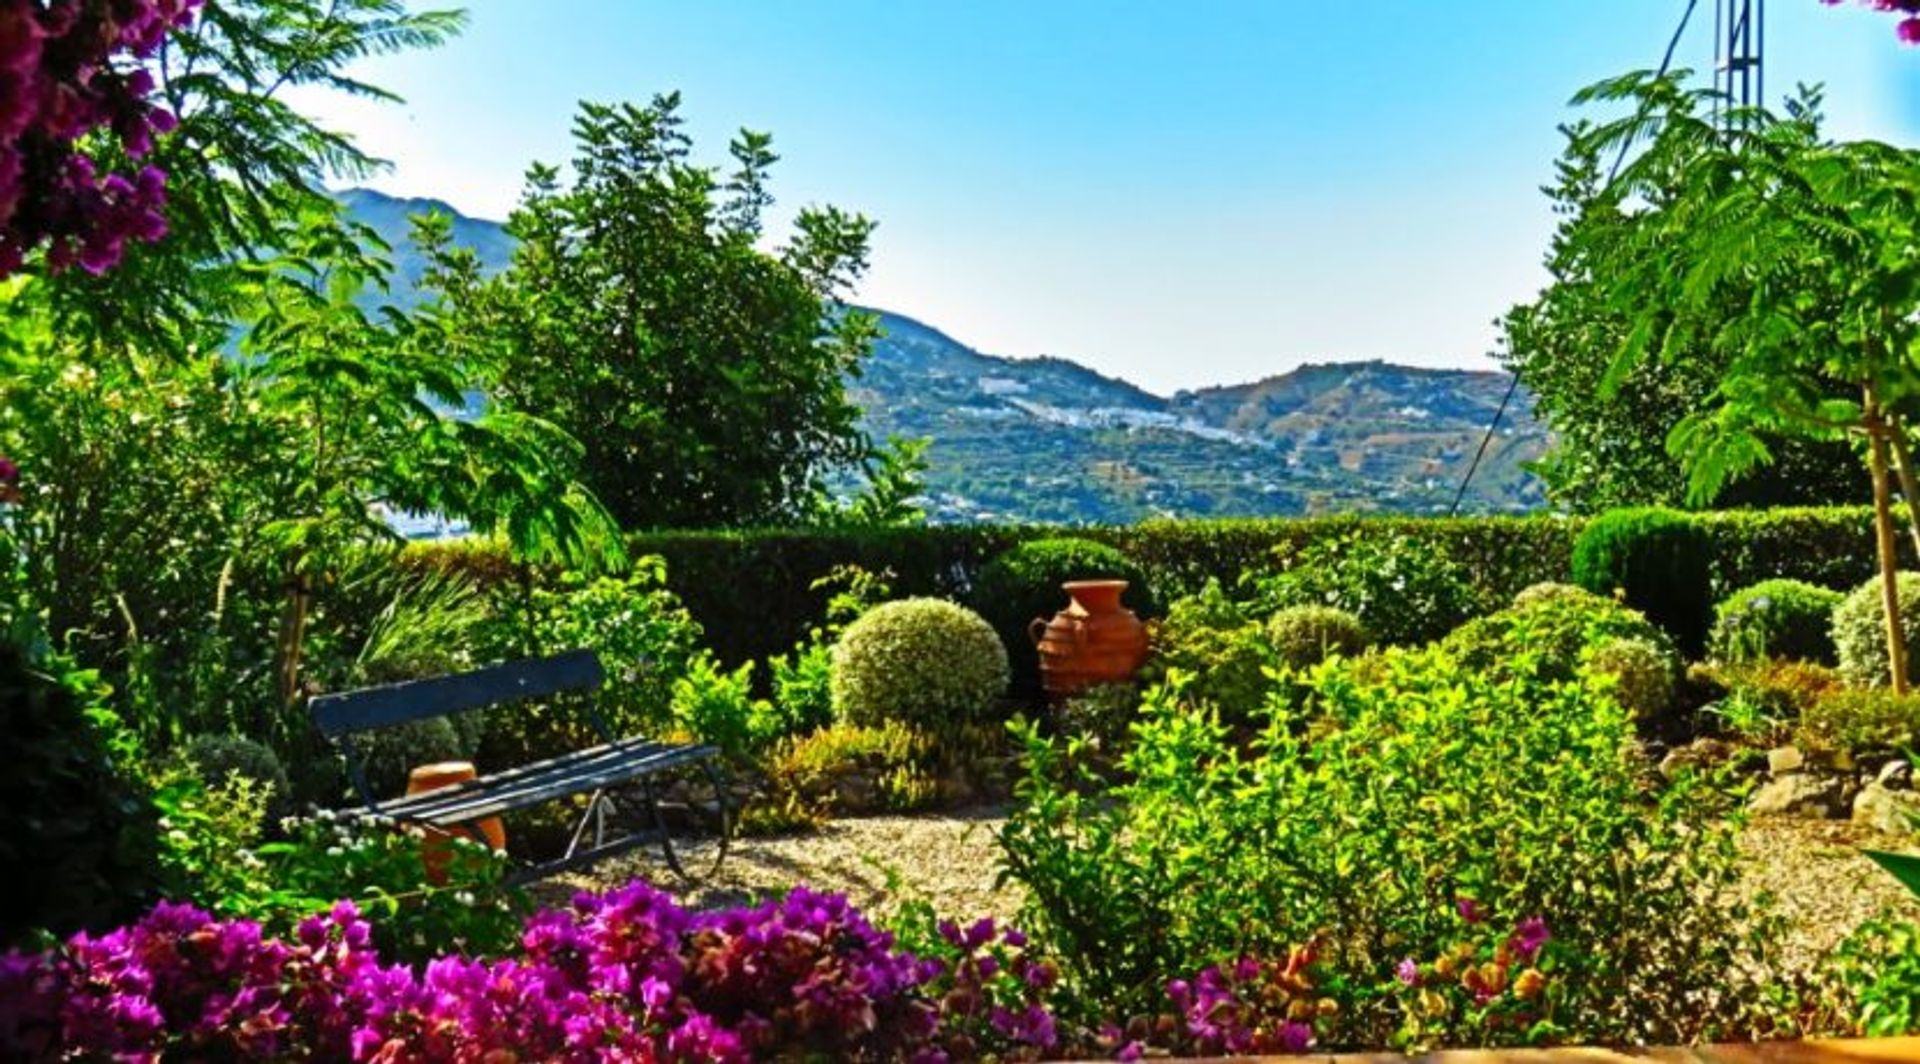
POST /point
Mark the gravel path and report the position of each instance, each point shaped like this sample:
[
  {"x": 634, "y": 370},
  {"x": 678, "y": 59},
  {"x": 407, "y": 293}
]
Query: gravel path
[{"x": 1813, "y": 868}]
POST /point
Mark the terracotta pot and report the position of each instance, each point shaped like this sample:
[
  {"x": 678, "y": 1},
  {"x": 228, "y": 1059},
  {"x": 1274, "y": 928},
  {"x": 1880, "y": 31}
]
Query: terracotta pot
[
  {"x": 1095, "y": 640},
  {"x": 435, "y": 849}
]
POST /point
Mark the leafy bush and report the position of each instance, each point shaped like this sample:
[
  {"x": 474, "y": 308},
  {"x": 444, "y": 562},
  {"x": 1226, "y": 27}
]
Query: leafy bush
[
  {"x": 1552, "y": 634},
  {"x": 215, "y": 757},
  {"x": 1024, "y": 583},
  {"x": 1660, "y": 561},
  {"x": 1306, "y": 635},
  {"x": 1762, "y": 700},
  {"x": 848, "y": 768},
  {"x": 1857, "y": 722},
  {"x": 1223, "y": 653},
  {"x": 803, "y": 677},
  {"x": 1402, "y": 590},
  {"x": 1644, "y": 674},
  {"x": 1877, "y": 969},
  {"x": 79, "y": 830},
  {"x": 716, "y": 706},
  {"x": 1102, "y": 713},
  {"x": 1776, "y": 619},
  {"x": 925, "y": 662},
  {"x": 1547, "y": 590},
  {"x": 1860, "y": 630},
  {"x": 1436, "y": 786},
  {"x": 388, "y": 756},
  {"x": 644, "y": 637}
]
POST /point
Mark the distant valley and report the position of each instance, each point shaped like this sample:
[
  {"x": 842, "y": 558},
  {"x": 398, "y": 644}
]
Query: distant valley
[{"x": 1050, "y": 440}]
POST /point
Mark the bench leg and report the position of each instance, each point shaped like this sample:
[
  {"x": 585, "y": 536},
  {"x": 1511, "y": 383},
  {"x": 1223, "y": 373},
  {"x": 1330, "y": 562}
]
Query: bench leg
[{"x": 596, "y": 815}]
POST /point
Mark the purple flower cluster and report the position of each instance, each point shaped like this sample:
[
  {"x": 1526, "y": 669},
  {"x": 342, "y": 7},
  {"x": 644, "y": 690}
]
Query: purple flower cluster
[
  {"x": 63, "y": 75},
  {"x": 622, "y": 976},
  {"x": 1909, "y": 26},
  {"x": 992, "y": 994},
  {"x": 1252, "y": 1006}
]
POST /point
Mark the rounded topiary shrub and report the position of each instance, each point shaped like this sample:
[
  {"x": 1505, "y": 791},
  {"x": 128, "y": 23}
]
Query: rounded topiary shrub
[
  {"x": 920, "y": 661},
  {"x": 1659, "y": 560},
  {"x": 215, "y": 757},
  {"x": 1024, "y": 583},
  {"x": 1303, "y": 636},
  {"x": 1644, "y": 672},
  {"x": 1788, "y": 619},
  {"x": 389, "y": 755},
  {"x": 1546, "y": 590},
  {"x": 1555, "y": 631},
  {"x": 1860, "y": 630}
]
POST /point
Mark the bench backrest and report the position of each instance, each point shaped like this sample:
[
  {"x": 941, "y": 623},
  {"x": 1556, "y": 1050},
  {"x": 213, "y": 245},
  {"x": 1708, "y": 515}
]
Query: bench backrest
[{"x": 403, "y": 703}]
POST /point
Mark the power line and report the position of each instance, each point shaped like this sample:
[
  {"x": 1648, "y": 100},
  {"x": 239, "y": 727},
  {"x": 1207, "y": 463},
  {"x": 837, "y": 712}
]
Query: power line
[{"x": 1513, "y": 385}]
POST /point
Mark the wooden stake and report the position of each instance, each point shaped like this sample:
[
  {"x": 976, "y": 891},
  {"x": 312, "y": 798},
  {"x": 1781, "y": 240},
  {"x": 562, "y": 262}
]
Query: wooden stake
[{"x": 1883, "y": 535}]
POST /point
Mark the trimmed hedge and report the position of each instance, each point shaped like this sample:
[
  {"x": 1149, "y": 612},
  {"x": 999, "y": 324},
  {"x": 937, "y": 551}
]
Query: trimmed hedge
[{"x": 751, "y": 589}]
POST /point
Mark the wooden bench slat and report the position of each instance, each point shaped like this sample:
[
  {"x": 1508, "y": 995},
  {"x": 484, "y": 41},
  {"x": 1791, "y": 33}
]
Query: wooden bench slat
[
  {"x": 465, "y": 802},
  {"x": 403, "y": 703},
  {"x": 588, "y": 760}
]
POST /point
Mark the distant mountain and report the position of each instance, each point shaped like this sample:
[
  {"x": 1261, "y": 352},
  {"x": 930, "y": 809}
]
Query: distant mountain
[{"x": 1048, "y": 439}]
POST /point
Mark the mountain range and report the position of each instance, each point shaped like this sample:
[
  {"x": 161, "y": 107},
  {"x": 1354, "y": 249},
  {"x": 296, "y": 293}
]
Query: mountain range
[{"x": 1048, "y": 439}]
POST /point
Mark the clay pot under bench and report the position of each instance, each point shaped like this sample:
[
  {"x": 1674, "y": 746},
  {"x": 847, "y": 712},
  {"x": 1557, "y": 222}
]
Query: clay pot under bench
[
  {"x": 435, "y": 845},
  {"x": 1094, "y": 641}
]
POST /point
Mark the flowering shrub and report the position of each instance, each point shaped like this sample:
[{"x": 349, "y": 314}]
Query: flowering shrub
[
  {"x": 1421, "y": 780},
  {"x": 59, "y": 81},
  {"x": 1860, "y": 630},
  {"x": 625, "y": 975},
  {"x": 1908, "y": 28},
  {"x": 1775, "y": 619}
]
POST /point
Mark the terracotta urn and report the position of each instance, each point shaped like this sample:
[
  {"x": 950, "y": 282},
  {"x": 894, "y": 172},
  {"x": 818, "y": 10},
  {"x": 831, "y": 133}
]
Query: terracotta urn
[
  {"x": 1094, "y": 641},
  {"x": 435, "y": 850}
]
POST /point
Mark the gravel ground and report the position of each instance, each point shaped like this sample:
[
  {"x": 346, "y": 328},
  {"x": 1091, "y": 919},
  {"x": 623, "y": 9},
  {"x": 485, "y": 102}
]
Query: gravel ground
[{"x": 1813, "y": 868}]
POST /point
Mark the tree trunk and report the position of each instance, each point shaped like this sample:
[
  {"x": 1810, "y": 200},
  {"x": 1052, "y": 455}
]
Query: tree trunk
[
  {"x": 293, "y": 636},
  {"x": 1909, "y": 484},
  {"x": 1877, "y": 430}
]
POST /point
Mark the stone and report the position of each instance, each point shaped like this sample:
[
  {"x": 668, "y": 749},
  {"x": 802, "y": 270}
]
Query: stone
[
  {"x": 1785, "y": 759},
  {"x": 1890, "y": 812},
  {"x": 1799, "y": 794},
  {"x": 1896, "y": 775},
  {"x": 1698, "y": 754}
]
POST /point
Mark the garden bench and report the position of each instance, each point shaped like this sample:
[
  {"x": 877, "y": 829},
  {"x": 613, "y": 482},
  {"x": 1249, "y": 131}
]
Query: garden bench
[{"x": 615, "y": 762}]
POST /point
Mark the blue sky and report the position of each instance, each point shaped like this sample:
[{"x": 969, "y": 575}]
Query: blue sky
[{"x": 1181, "y": 193}]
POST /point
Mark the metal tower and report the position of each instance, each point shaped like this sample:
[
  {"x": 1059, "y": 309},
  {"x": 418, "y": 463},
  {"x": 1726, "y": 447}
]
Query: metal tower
[{"x": 1739, "y": 40}]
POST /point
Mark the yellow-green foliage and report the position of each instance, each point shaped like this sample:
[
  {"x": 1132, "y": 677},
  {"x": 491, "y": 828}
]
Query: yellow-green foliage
[
  {"x": 1303, "y": 636},
  {"x": 1860, "y": 630},
  {"x": 1856, "y": 722},
  {"x": 811, "y": 775},
  {"x": 1644, "y": 675},
  {"x": 921, "y": 661}
]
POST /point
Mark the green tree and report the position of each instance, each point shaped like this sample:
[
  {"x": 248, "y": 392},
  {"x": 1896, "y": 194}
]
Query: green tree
[
  {"x": 703, "y": 374},
  {"x": 1610, "y": 443},
  {"x": 1795, "y": 259}
]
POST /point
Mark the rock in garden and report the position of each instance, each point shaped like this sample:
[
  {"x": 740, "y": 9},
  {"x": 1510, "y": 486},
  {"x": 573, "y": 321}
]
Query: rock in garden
[
  {"x": 1700, "y": 753},
  {"x": 1798, "y": 794},
  {"x": 1885, "y": 810},
  {"x": 1785, "y": 759},
  {"x": 1896, "y": 775}
]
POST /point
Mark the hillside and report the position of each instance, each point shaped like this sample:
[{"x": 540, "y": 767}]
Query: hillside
[{"x": 1050, "y": 440}]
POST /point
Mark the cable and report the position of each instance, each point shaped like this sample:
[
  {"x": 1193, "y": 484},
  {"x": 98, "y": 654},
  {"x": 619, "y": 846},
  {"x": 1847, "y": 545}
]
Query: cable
[{"x": 1666, "y": 64}]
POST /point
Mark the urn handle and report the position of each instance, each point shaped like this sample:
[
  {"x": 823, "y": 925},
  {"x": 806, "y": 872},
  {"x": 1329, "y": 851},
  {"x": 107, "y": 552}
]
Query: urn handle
[{"x": 1037, "y": 630}]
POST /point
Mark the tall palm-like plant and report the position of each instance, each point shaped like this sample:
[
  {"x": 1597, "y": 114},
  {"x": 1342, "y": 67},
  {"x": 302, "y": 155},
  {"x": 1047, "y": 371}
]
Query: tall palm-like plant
[{"x": 1796, "y": 259}]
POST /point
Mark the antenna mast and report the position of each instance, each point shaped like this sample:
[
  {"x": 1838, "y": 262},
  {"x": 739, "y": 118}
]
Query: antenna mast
[{"x": 1739, "y": 41}]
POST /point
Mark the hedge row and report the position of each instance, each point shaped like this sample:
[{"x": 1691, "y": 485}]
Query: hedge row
[{"x": 752, "y": 591}]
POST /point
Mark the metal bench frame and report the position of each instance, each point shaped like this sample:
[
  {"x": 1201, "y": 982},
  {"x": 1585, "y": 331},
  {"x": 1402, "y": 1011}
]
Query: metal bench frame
[{"x": 616, "y": 762}]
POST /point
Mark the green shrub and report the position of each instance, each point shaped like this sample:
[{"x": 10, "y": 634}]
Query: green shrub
[
  {"x": 215, "y": 757},
  {"x": 1860, "y": 630},
  {"x": 1762, "y": 700},
  {"x": 1433, "y": 783},
  {"x": 79, "y": 833},
  {"x": 1024, "y": 583},
  {"x": 1400, "y": 588},
  {"x": 1102, "y": 713},
  {"x": 1776, "y": 619},
  {"x": 1877, "y": 970},
  {"x": 1858, "y": 722},
  {"x": 645, "y": 640},
  {"x": 716, "y": 706},
  {"x": 389, "y": 755},
  {"x": 1303, "y": 636},
  {"x": 1551, "y": 633},
  {"x": 1547, "y": 590},
  {"x": 1660, "y": 561},
  {"x": 1644, "y": 674},
  {"x": 803, "y": 689},
  {"x": 1222, "y": 652},
  {"x": 849, "y": 768},
  {"x": 924, "y": 662}
]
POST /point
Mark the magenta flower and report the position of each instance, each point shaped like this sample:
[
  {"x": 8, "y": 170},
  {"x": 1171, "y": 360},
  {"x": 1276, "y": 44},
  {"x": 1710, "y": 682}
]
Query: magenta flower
[
  {"x": 1407, "y": 972},
  {"x": 1529, "y": 937},
  {"x": 1469, "y": 909}
]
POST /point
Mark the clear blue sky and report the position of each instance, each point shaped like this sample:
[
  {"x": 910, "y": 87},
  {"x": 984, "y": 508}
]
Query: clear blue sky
[{"x": 1181, "y": 193}]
